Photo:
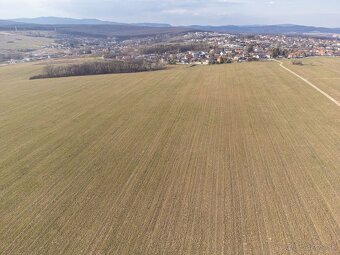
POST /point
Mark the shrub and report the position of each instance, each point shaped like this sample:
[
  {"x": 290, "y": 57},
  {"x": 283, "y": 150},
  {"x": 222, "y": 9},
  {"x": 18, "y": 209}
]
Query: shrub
[
  {"x": 99, "y": 67},
  {"x": 297, "y": 63}
]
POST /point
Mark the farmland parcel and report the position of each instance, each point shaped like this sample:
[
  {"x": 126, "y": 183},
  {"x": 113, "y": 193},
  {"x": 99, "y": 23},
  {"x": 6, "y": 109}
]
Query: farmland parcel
[{"x": 229, "y": 159}]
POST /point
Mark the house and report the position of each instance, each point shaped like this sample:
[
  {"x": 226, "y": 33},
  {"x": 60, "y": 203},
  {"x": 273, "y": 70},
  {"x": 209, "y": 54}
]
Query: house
[{"x": 220, "y": 60}]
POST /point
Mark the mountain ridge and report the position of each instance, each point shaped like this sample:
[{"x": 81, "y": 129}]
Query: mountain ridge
[{"x": 41, "y": 22}]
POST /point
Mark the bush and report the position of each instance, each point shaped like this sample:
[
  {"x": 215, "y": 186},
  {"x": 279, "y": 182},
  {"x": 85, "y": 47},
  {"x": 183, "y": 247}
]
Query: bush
[
  {"x": 99, "y": 67},
  {"x": 297, "y": 63}
]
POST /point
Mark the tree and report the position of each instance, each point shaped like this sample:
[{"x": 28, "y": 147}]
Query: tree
[
  {"x": 276, "y": 52},
  {"x": 250, "y": 48}
]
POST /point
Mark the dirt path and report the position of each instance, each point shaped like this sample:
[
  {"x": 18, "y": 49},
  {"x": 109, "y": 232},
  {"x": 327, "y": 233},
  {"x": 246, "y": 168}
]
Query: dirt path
[{"x": 309, "y": 83}]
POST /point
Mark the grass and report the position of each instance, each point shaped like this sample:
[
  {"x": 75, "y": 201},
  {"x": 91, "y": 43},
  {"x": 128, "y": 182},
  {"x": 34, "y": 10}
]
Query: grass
[
  {"x": 325, "y": 72},
  {"x": 230, "y": 159},
  {"x": 15, "y": 41}
]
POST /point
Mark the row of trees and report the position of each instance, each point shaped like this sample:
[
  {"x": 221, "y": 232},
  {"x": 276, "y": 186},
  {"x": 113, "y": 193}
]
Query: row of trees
[
  {"x": 9, "y": 56},
  {"x": 174, "y": 48},
  {"x": 99, "y": 67}
]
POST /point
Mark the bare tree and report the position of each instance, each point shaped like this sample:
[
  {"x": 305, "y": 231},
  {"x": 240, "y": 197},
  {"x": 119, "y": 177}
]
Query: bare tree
[{"x": 102, "y": 67}]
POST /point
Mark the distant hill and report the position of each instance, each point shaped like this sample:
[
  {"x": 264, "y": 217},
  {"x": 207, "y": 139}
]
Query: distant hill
[
  {"x": 268, "y": 29},
  {"x": 96, "y": 27},
  {"x": 71, "y": 21},
  {"x": 92, "y": 27},
  {"x": 62, "y": 21},
  {"x": 8, "y": 23},
  {"x": 151, "y": 24},
  {"x": 122, "y": 31}
]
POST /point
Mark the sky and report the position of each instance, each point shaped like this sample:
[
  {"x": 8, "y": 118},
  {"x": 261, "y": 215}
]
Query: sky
[{"x": 183, "y": 12}]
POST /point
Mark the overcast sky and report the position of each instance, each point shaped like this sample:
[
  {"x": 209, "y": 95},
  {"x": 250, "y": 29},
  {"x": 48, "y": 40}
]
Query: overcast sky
[{"x": 183, "y": 12}]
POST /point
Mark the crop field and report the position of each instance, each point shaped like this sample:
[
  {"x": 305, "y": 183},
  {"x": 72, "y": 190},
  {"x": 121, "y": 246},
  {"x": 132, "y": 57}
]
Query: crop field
[
  {"x": 325, "y": 72},
  {"x": 16, "y": 41},
  {"x": 225, "y": 159}
]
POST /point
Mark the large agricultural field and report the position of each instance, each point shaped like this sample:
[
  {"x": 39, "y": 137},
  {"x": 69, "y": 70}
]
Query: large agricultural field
[
  {"x": 324, "y": 72},
  {"x": 226, "y": 159},
  {"x": 11, "y": 41}
]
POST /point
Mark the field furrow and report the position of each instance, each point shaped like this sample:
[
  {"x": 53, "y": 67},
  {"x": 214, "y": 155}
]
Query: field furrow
[{"x": 220, "y": 159}]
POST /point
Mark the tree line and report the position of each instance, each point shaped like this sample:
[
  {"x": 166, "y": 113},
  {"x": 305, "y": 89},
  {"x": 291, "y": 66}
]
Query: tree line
[
  {"x": 99, "y": 67},
  {"x": 174, "y": 48},
  {"x": 8, "y": 56},
  {"x": 277, "y": 52}
]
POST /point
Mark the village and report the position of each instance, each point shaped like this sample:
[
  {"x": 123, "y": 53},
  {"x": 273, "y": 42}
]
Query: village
[{"x": 189, "y": 48}]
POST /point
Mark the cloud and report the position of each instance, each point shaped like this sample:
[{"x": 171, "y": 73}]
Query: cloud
[{"x": 182, "y": 12}]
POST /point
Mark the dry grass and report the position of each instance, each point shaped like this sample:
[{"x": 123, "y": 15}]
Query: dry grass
[
  {"x": 17, "y": 41},
  {"x": 232, "y": 159}
]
